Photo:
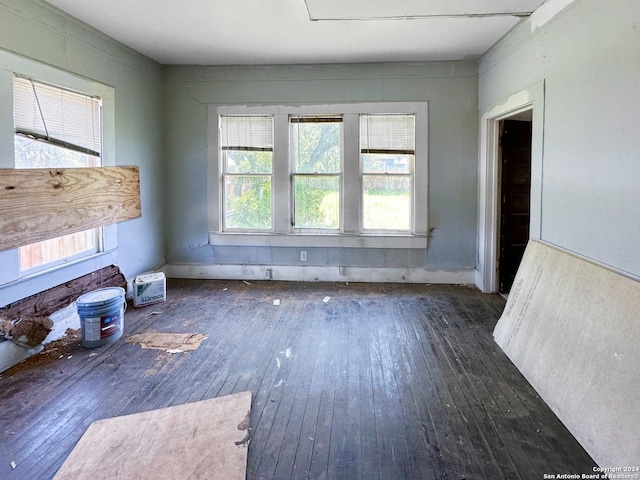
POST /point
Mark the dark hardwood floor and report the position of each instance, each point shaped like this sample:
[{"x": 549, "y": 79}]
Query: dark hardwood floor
[{"x": 382, "y": 381}]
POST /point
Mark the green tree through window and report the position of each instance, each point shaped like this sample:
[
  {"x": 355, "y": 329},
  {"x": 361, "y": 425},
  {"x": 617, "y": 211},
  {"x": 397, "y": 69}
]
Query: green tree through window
[
  {"x": 317, "y": 150},
  {"x": 247, "y": 154}
]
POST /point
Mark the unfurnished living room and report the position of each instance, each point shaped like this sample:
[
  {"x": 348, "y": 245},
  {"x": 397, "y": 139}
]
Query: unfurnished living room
[{"x": 321, "y": 239}]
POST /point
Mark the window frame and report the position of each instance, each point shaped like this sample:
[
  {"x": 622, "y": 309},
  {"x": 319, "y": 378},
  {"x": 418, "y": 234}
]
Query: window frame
[
  {"x": 56, "y": 143},
  {"x": 410, "y": 175},
  {"x": 14, "y": 284},
  {"x": 97, "y": 233},
  {"x": 294, "y": 174},
  {"x": 226, "y": 174},
  {"x": 351, "y": 233}
]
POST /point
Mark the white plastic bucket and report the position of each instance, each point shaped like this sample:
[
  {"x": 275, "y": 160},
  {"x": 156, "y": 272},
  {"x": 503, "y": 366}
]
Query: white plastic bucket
[{"x": 101, "y": 315}]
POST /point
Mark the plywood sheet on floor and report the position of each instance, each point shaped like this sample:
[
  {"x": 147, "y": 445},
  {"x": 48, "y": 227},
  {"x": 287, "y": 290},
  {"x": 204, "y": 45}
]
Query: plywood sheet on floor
[
  {"x": 199, "y": 440},
  {"x": 572, "y": 328}
]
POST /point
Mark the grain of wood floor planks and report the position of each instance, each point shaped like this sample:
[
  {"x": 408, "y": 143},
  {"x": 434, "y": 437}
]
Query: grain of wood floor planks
[{"x": 383, "y": 381}]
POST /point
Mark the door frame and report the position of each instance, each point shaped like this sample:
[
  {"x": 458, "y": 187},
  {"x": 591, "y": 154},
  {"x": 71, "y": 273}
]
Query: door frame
[{"x": 531, "y": 98}]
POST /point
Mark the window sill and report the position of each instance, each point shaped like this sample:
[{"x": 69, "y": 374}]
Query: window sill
[{"x": 318, "y": 240}]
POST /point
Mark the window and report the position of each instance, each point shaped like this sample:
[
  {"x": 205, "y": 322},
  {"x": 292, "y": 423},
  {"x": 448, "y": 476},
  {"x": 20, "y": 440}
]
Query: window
[
  {"x": 316, "y": 148},
  {"x": 343, "y": 175},
  {"x": 55, "y": 127},
  {"x": 387, "y": 151},
  {"x": 247, "y": 164}
]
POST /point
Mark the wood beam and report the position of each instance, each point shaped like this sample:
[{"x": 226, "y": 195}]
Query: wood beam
[{"x": 37, "y": 204}]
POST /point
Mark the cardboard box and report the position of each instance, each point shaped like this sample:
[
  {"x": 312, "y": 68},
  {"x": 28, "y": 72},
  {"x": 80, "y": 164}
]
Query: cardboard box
[{"x": 148, "y": 289}]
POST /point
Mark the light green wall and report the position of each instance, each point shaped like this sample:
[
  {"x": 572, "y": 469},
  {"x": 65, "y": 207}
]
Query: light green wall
[
  {"x": 41, "y": 34},
  {"x": 161, "y": 125},
  {"x": 450, "y": 89},
  {"x": 589, "y": 59}
]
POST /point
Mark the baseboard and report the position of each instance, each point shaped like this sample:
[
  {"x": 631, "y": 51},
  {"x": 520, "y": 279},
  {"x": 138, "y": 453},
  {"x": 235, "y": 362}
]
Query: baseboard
[{"x": 322, "y": 274}]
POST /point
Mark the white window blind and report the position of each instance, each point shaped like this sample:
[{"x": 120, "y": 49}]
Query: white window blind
[
  {"x": 394, "y": 134},
  {"x": 58, "y": 116},
  {"x": 250, "y": 133}
]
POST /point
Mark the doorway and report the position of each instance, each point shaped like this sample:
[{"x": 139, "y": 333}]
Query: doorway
[
  {"x": 514, "y": 159},
  {"x": 525, "y": 105}
]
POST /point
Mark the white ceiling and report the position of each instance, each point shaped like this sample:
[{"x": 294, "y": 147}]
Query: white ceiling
[{"x": 242, "y": 32}]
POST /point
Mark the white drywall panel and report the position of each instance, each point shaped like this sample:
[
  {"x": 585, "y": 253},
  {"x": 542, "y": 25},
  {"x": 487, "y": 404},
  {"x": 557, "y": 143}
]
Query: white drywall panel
[{"x": 571, "y": 327}]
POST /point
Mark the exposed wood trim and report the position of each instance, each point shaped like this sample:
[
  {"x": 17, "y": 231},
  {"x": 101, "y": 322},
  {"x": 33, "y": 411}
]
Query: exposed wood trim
[
  {"x": 56, "y": 298},
  {"x": 42, "y": 203}
]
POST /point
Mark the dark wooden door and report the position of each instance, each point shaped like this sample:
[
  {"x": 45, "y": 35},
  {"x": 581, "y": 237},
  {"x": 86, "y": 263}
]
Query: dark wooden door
[{"x": 515, "y": 143}]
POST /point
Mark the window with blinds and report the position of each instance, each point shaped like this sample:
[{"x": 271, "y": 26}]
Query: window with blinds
[
  {"x": 352, "y": 174},
  {"x": 387, "y": 155},
  {"x": 59, "y": 117},
  {"x": 56, "y": 128},
  {"x": 246, "y": 144}
]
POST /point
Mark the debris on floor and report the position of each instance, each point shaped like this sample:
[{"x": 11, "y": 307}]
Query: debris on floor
[
  {"x": 184, "y": 342},
  {"x": 52, "y": 352},
  {"x": 29, "y": 331}
]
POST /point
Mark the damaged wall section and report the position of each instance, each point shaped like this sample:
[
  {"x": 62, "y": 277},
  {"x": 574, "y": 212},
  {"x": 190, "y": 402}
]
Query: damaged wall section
[{"x": 28, "y": 322}]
